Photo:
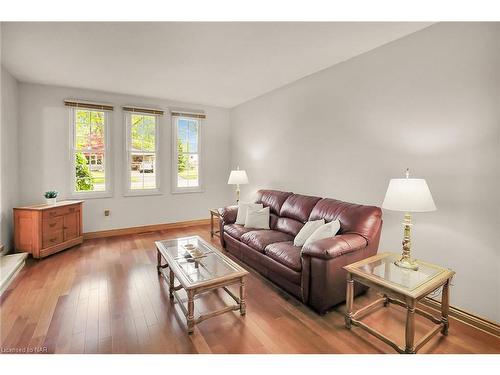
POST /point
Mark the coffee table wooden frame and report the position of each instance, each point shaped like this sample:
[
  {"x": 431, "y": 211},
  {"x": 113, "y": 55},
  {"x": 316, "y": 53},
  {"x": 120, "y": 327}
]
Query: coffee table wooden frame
[
  {"x": 398, "y": 295},
  {"x": 192, "y": 289}
]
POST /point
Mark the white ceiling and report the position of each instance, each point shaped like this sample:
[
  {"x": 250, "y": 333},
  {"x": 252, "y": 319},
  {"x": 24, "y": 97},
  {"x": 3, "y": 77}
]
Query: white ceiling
[{"x": 221, "y": 64}]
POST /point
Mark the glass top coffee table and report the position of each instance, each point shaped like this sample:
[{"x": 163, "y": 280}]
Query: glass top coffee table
[
  {"x": 199, "y": 267},
  {"x": 400, "y": 286}
]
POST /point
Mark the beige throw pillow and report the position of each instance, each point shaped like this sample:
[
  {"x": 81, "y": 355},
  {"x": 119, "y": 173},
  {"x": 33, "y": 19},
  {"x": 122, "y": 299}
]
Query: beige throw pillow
[
  {"x": 306, "y": 231},
  {"x": 325, "y": 231},
  {"x": 257, "y": 218},
  {"x": 242, "y": 211}
]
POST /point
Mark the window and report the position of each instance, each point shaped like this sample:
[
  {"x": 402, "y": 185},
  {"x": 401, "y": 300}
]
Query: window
[
  {"x": 187, "y": 153},
  {"x": 142, "y": 148},
  {"x": 89, "y": 152}
]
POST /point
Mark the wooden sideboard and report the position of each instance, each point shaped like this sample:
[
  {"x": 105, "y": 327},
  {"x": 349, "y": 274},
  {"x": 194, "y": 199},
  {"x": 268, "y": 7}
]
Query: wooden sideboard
[{"x": 43, "y": 229}]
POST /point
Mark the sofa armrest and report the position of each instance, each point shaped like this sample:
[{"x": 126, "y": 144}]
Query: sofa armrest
[
  {"x": 329, "y": 248},
  {"x": 228, "y": 214}
]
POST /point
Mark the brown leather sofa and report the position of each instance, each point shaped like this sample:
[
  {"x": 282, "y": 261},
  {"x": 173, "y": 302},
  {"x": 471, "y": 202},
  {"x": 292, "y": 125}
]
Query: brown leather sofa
[{"x": 313, "y": 273}]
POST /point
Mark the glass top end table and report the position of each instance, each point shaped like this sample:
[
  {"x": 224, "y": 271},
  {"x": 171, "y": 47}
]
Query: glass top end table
[
  {"x": 210, "y": 269},
  {"x": 399, "y": 286},
  {"x": 386, "y": 269}
]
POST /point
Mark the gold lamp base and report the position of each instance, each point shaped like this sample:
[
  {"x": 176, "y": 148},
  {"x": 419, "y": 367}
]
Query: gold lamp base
[
  {"x": 407, "y": 263},
  {"x": 237, "y": 193}
]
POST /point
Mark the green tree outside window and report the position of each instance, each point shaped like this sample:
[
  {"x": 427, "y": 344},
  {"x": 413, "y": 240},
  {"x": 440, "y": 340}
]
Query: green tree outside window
[{"x": 83, "y": 176}]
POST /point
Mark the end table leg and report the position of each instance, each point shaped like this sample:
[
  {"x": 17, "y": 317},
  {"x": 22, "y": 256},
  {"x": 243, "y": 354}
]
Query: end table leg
[
  {"x": 158, "y": 258},
  {"x": 445, "y": 307},
  {"x": 190, "y": 316},
  {"x": 243, "y": 307},
  {"x": 410, "y": 327},
  {"x": 349, "y": 301},
  {"x": 211, "y": 224},
  {"x": 171, "y": 279}
]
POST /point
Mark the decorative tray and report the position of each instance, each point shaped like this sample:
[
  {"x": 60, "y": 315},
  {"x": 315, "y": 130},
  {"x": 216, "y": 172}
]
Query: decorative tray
[{"x": 193, "y": 251}]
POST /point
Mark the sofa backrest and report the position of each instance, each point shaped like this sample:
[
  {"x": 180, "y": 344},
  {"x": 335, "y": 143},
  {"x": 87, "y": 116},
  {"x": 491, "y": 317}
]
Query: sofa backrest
[
  {"x": 354, "y": 218},
  {"x": 290, "y": 211},
  {"x": 295, "y": 212},
  {"x": 273, "y": 199}
]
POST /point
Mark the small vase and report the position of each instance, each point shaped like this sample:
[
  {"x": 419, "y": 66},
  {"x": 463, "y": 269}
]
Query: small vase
[{"x": 51, "y": 201}]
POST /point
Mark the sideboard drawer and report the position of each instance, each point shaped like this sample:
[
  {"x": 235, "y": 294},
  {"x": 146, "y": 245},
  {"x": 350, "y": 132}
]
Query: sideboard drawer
[
  {"x": 59, "y": 211},
  {"x": 52, "y": 238},
  {"x": 51, "y": 225}
]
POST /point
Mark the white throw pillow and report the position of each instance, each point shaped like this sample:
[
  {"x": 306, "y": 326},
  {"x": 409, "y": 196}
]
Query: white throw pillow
[
  {"x": 325, "y": 231},
  {"x": 257, "y": 218},
  {"x": 242, "y": 211},
  {"x": 306, "y": 231}
]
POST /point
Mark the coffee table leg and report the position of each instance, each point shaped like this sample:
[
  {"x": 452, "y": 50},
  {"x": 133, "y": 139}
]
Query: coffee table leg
[
  {"x": 349, "y": 300},
  {"x": 171, "y": 279},
  {"x": 190, "y": 316},
  {"x": 410, "y": 327},
  {"x": 243, "y": 307},
  {"x": 445, "y": 306}
]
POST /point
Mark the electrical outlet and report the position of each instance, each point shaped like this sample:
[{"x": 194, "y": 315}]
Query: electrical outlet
[{"x": 107, "y": 212}]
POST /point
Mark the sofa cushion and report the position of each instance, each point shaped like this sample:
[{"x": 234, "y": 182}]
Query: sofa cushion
[
  {"x": 236, "y": 230},
  {"x": 273, "y": 199},
  {"x": 298, "y": 207},
  {"x": 259, "y": 239},
  {"x": 286, "y": 254}
]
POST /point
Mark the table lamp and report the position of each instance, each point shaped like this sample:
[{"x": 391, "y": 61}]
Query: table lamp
[
  {"x": 237, "y": 177},
  {"x": 408, "y": 195}
]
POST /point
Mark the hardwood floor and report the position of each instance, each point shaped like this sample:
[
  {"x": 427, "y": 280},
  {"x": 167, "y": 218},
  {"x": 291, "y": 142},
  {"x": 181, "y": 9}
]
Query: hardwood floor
[{"x": 105, "y": 296}]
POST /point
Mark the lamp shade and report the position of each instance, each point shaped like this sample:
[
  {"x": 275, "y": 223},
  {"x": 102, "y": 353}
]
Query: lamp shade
[
  {"x": 408, "y": 195},
  {"x": 238, "y": 177}
]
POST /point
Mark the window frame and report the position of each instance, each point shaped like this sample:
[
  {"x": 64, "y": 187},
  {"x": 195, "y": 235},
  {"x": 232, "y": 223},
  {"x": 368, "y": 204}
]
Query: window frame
[
  {"x": 190, "y": 189},
  {"x": 108, "y": 157},
  {"x": 128, "y": 192}
]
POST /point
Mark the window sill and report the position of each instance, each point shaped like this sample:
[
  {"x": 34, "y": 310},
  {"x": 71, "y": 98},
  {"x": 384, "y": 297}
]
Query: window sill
[
  {"x": 187, "y": 190},
  {"x": 92, "y": 195},
  {"x": 141, "y": 193}
]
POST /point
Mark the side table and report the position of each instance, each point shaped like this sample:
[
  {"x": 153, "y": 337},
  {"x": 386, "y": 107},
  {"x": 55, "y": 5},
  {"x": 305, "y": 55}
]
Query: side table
[
  {"x": 214, "y": 212},
  {"x": 400, "y": 286}
]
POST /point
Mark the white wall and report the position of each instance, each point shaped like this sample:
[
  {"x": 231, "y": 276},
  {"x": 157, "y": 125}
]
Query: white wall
[
  {"x": 429, "y": 101},
  {"x": 45, "y": 163},
  {"x": 9, "y": 156}
]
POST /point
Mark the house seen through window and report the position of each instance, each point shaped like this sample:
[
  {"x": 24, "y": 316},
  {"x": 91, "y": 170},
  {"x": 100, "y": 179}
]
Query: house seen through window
[{"x": 142, "y": 148}]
